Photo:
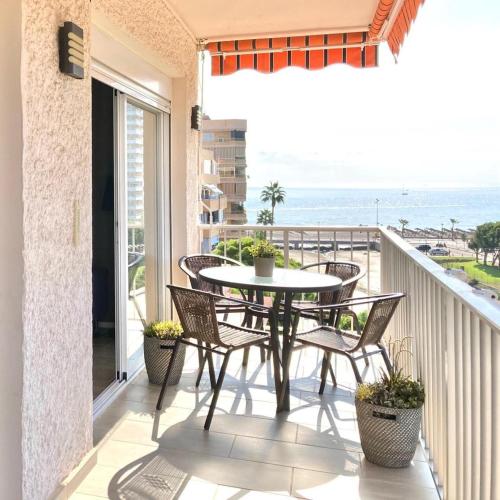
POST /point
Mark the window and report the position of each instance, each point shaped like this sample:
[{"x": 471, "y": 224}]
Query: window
[{"x": 238, "y": 135}]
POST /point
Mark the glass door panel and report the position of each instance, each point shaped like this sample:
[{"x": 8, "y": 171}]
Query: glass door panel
[{"x": 141, "y": 208}]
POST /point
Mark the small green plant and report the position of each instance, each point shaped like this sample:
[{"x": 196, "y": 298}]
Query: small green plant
[
  {"x": 263, "y": 249},
  {"x": 394, "y": 390},
  {"x": 164, "y": 330}
]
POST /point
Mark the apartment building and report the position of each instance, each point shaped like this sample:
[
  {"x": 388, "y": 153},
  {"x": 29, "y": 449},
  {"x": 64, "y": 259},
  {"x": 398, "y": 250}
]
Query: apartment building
[
  {"x": 226, "y": 138},
  {"x": 212, "y": 201}
]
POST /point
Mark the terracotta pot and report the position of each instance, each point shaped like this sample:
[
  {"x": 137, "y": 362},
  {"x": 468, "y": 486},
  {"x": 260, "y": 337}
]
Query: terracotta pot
[{"x": 264, "y": 266}]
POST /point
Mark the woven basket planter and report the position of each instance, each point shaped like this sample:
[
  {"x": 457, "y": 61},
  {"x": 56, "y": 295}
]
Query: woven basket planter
[
  {"x": 157, "y": 360},
  {"x": 389, "y": 436}
]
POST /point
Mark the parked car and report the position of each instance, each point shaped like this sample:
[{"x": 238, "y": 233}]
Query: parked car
[
  {"x": 439, "y": 251},
  {"x": 424, "y": 247}
]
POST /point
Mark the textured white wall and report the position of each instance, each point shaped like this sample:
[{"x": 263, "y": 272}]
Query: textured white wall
[
  {"x": 56, "y": 168},
  {"x": 11, "y": 241},
  {"x": 57, "y": 395}
]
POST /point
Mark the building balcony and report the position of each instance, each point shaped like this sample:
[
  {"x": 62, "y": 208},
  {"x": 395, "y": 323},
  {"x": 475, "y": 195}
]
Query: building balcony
[
  {"x": 214, "y": 204},
  {"x": 212, "y": 178}
]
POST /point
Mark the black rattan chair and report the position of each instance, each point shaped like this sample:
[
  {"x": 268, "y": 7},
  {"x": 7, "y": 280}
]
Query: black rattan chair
[
  {"x": 334, "y": 340},
  {"x": 350, "y": 274},
  {"x": 198, "y": 317},
  {"x": 192, "y": 265}
]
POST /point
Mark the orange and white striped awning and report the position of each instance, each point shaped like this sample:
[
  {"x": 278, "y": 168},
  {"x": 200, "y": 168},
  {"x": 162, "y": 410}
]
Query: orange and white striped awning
[
  {"x": 269, "y": 55},
  {"x": 391, "y": 22}
]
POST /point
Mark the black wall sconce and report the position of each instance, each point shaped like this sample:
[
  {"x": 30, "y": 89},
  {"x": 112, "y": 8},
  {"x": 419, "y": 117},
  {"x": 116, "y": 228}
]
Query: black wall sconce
[
  {"x": 71, "y": 50},
  {"x": 196, "y": 117}
]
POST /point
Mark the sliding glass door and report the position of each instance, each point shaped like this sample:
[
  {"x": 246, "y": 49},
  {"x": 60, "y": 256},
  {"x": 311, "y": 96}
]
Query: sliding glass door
[{"x": 140, "y": 224}]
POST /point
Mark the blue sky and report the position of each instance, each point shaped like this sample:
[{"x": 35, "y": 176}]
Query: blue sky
[{"x": 432, "y": 120}]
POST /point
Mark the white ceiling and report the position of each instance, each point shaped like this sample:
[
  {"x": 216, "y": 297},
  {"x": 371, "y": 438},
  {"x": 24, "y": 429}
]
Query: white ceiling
[{"x": 237, "y": 19}]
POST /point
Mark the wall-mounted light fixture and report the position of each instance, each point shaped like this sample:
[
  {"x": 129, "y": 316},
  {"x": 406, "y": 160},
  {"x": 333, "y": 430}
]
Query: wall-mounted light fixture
[
  {"x": 196, "y": 117},
  {"x": 71, "y": 50}
]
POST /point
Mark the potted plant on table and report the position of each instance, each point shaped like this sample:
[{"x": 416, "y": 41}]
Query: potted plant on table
[
  {"x": 264, "y": 257},
  {"x": 157, "y": 334},
  {"x": 389, "y": 414}
]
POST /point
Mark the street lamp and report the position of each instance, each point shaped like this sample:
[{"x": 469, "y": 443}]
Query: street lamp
[{"x": 377, "y": 201}]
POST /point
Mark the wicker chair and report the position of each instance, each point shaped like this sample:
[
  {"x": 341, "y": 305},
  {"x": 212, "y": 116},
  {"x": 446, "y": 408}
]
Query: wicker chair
[
  {"x": 334, "y": 340},
  {"x": 198, "y": 317},
  {"x": 192, "y": 265},
  {"x": 350, "y": 273}
]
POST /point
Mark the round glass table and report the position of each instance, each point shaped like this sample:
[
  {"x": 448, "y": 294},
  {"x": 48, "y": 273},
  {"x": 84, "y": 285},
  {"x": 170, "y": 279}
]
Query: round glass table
[{"x": 285, "y": 283}]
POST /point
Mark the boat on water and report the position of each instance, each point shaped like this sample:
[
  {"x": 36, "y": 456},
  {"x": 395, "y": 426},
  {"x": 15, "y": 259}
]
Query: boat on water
[{"x": 404, "y": 192}]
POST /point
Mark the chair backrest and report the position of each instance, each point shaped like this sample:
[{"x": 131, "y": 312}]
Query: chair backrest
[
  {"x": 193, "y": 264},
  {"x": 378, "y": 319},
  {"x": 196, "y": 310},
  {"x": 349, "y": 272}
]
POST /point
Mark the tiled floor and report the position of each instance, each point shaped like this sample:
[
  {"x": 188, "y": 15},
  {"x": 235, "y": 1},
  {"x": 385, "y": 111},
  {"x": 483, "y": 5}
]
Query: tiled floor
[{"x": 311, "y": 452}]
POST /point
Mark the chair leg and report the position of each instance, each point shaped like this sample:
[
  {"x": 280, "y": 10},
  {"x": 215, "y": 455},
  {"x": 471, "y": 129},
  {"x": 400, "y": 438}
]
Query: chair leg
[
  {"x": 200, "y": 369},
  {"x": 332, "y": 374},
  {"x": 246, "y": 354},
  {"x": 367, "y": 362},
  {"x": 387, "y": 361},
  {"x": 167, "y": 375},
  {"x": 220, "y": 379},
  {"x": 262, "y": 354},
  {"x": 324, "y": 370},
  {"x": 211, "y": 370},
  {"x": 359, "y": 380},
  {"x": 269, "y": 354}
]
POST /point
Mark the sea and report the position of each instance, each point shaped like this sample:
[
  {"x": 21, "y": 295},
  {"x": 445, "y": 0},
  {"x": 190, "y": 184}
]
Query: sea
[{"x": 422, "y": 208}]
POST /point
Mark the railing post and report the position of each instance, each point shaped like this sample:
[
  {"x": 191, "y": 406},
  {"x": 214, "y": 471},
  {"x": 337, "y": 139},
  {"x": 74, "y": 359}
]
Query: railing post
[{"x": 286, "y": 248}]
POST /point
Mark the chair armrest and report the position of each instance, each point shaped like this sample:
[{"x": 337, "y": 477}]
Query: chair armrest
[
  {"x": 354, "y": 302},
  {"x": 239, "y": 301}
]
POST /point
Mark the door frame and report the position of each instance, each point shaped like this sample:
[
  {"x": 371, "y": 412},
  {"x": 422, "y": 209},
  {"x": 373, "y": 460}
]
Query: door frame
[{"x": 126, "y": 89}]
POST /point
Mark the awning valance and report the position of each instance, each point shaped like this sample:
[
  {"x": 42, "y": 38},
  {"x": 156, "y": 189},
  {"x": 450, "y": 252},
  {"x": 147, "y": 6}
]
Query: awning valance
[
  {"x": 269, "y": 55},
  {"x": 391, "y": 22},
  {"x": 401, "y": 26}
]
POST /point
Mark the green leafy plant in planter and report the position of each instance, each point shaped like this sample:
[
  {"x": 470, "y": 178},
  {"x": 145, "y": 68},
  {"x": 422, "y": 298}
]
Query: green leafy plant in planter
[
  {"x": 389, "y": 414},
  {"x": 264, "y": 256},
  {"x": 156, "y": 335}
]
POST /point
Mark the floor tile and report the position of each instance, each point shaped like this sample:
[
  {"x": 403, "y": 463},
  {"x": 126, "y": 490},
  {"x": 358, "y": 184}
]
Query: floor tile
[
  {"x": 295, "y": 455},
  {"x": 418, "y": 473},
  {"x": 320, "y": 485},
  {"x": 179, "y": 437}
]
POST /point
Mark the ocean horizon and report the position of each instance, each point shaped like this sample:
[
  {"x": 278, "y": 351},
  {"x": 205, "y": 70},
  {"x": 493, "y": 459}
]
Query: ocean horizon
[{"x": 421, "y": 207}]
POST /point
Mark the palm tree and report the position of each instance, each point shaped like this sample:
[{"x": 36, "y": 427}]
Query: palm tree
[
  {"x": 403, "y": 223},
  {"x": 265, "y": 217},
  {"x": 453, "y": 222},
  {"x": 275, "y": 194}
]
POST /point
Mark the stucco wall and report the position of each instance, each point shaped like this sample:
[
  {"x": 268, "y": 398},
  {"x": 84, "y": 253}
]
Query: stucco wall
[
  {"x": 57, "y": 393},
  {"x": 56, "y": 169}
]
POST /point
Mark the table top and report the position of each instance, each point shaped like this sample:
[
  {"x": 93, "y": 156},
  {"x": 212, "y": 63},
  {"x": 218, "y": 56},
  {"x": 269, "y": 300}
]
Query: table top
[{"x": 283, "y": 280}]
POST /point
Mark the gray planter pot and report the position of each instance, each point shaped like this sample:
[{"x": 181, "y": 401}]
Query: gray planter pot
[
  {"x": 389, "y": 437},
  {"x": 157, "y": 360},
  {"x": 264, "y": 266}
]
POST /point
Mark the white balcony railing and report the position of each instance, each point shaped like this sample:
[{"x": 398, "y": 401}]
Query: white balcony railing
[{"x": 455, "y": 344}]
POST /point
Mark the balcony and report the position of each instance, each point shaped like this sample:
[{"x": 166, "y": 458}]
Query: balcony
[
  {"x": 455, "y": 345},
  {"x": 215, "y": 203},
  {"x": 313, "y": 451}
]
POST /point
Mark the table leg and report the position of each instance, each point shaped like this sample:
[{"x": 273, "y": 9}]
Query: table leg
[
  {"x": 284, "y": 397},
  {"x": 275, "y": 346}
]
